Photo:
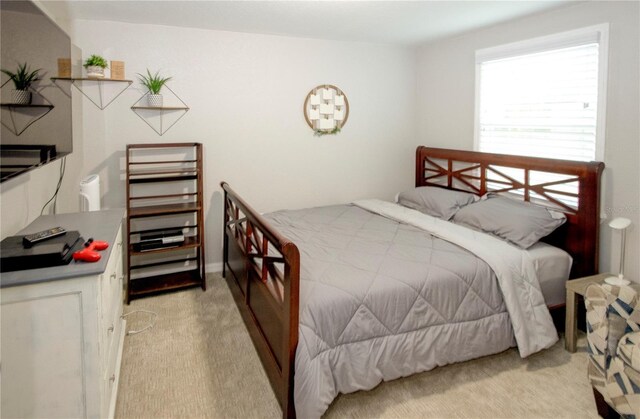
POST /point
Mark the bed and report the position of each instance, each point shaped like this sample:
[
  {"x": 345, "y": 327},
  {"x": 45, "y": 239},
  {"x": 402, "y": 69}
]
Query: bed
[{"x": 318, "y": 334}]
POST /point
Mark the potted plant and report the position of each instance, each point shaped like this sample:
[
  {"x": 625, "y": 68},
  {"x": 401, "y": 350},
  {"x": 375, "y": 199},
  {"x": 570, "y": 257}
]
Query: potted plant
[
  {"x": 95, "y": 66},
  {"x": 154, "y": 84},
  {"x": 22, "y": 79}
]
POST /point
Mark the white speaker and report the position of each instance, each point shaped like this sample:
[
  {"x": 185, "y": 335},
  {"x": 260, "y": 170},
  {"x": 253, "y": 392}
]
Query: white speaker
[{"x": 90, "y": 193}]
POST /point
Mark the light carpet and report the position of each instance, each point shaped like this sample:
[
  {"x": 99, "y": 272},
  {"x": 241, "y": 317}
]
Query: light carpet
[{"x": 198, "y": 361}]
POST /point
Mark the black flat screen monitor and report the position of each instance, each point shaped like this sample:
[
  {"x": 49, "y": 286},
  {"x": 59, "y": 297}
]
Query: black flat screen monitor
[{"x": 38, "y": 132}]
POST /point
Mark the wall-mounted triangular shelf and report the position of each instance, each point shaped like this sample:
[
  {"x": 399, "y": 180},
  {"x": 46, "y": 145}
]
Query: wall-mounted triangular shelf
[
  {"x": 160, "y": 118},
  {"x": 23, "y": 116},
  {"x": 93, "y": 88},
  {"x": 18, "y": 117}
]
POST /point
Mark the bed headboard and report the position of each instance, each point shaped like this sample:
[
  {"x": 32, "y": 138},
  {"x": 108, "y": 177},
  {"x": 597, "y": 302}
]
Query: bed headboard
[{"x": 569, "y": 186}]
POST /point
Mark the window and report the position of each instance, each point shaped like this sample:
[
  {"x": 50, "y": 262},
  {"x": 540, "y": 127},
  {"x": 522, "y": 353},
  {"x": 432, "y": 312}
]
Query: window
[{"x": 544, "y": 97}]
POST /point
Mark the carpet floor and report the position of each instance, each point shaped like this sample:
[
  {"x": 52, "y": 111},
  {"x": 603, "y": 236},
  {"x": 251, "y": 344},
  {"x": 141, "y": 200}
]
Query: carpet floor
[{"x": 198, "y": 362}]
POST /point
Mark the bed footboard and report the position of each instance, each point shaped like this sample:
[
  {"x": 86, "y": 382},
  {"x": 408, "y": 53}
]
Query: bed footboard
[{"x": 262, "y": 269}]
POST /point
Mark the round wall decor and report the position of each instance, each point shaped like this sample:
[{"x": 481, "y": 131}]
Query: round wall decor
[{"x": 326, "y": 109}]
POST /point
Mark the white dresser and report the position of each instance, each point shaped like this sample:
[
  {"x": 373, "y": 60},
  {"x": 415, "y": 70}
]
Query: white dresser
[{"x": 62, "y": 331}]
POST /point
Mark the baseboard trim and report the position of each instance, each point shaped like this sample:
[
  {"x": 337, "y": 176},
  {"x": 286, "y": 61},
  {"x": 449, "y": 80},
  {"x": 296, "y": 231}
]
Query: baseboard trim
[{"x": 213, "y": 267}]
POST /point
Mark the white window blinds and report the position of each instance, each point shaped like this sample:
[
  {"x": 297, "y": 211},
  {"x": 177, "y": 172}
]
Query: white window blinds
[{"x": 543, "y": 103}]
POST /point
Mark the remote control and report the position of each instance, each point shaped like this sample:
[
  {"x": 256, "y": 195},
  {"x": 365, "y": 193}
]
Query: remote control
[{"x": 31, "y": 239}]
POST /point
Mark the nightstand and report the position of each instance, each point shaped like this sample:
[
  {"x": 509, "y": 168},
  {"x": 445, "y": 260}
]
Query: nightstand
[{"x": 578, "y": 287}]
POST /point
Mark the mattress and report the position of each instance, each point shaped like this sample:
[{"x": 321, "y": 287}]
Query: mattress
[{"x": 553, "y": 266}]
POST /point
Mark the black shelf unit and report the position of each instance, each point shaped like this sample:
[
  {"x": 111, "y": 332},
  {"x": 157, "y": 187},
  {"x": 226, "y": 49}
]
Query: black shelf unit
[{"x": 181, "y": 194}]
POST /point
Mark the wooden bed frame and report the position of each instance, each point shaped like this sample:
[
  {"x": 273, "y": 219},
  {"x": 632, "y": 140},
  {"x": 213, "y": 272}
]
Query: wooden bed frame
[{"x": 265, "y": 266}]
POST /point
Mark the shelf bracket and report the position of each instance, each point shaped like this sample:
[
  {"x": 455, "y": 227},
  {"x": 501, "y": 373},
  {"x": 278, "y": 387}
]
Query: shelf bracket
[
  {"x": 15, "y": 127},
  {"x": 22, "y": 117},
  {"x": 101, "y": 102},
  {"x": 160, "y": 128}
]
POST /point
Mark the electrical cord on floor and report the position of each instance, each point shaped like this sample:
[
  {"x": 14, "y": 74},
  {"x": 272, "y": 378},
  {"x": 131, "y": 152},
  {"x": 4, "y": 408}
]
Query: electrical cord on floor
[
  {"x": 54, "y": 198},
  {"x": 150, "y": 326}
]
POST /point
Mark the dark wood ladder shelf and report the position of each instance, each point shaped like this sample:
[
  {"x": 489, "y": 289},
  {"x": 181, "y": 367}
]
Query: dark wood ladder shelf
[
  {"x": 164, "y": 171},
  {"x": 155, "y": 210},
  {"x": 159, "y": 283},
  {"x": 164, "y": 262},
  {"x": 183, "y": 179},
  {"x": 133, "y": 163}
]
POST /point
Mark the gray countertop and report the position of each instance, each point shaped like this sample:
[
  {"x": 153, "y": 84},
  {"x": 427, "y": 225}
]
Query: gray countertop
[{"x": 99, "y": 225}]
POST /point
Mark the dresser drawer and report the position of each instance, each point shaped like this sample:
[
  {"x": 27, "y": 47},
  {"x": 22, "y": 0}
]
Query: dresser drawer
[
  {"x": 111, "y": 277},
  {"x": 110, "y": 300},
  {"x": 111, "y": 375},
  {"x": 112, "y": 329},
  {"x": 113, "y": 350},
  {"x": 111, "y": 290},
  {"x": 110, "y": 333}
]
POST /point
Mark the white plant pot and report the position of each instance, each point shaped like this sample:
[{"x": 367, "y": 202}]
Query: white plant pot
[
  {"x": 95, "y": 71},
  {"x": 154, "y": 101},
  {"x": 20, "y": 97}
]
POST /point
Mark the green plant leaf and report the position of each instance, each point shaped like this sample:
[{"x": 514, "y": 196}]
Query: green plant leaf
[
  {"x": 23, "y": 77},
  {"x": 321, "y": 132},
  {"x": 96, "y": 60},
  {"x": 153, "y": 82}
]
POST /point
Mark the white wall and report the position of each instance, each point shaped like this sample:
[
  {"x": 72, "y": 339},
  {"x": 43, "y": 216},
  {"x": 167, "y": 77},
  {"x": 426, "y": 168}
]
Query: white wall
[
  {"x": 446, "y": 89},
  {"x": 246, "y": 94},
  {"x": 22, "y": 198}
]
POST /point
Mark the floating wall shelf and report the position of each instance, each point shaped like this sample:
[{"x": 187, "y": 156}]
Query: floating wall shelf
[
  {"x": 160, "y": 118},
  {"x": 85, "y": 84},
  {"x": 22, "y": 116}
]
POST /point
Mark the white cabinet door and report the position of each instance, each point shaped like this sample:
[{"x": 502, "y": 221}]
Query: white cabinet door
[{"x": 42, "y": 357}]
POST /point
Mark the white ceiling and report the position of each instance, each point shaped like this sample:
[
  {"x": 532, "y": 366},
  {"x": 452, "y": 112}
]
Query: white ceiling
[{"x": 391, "y": 22}]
